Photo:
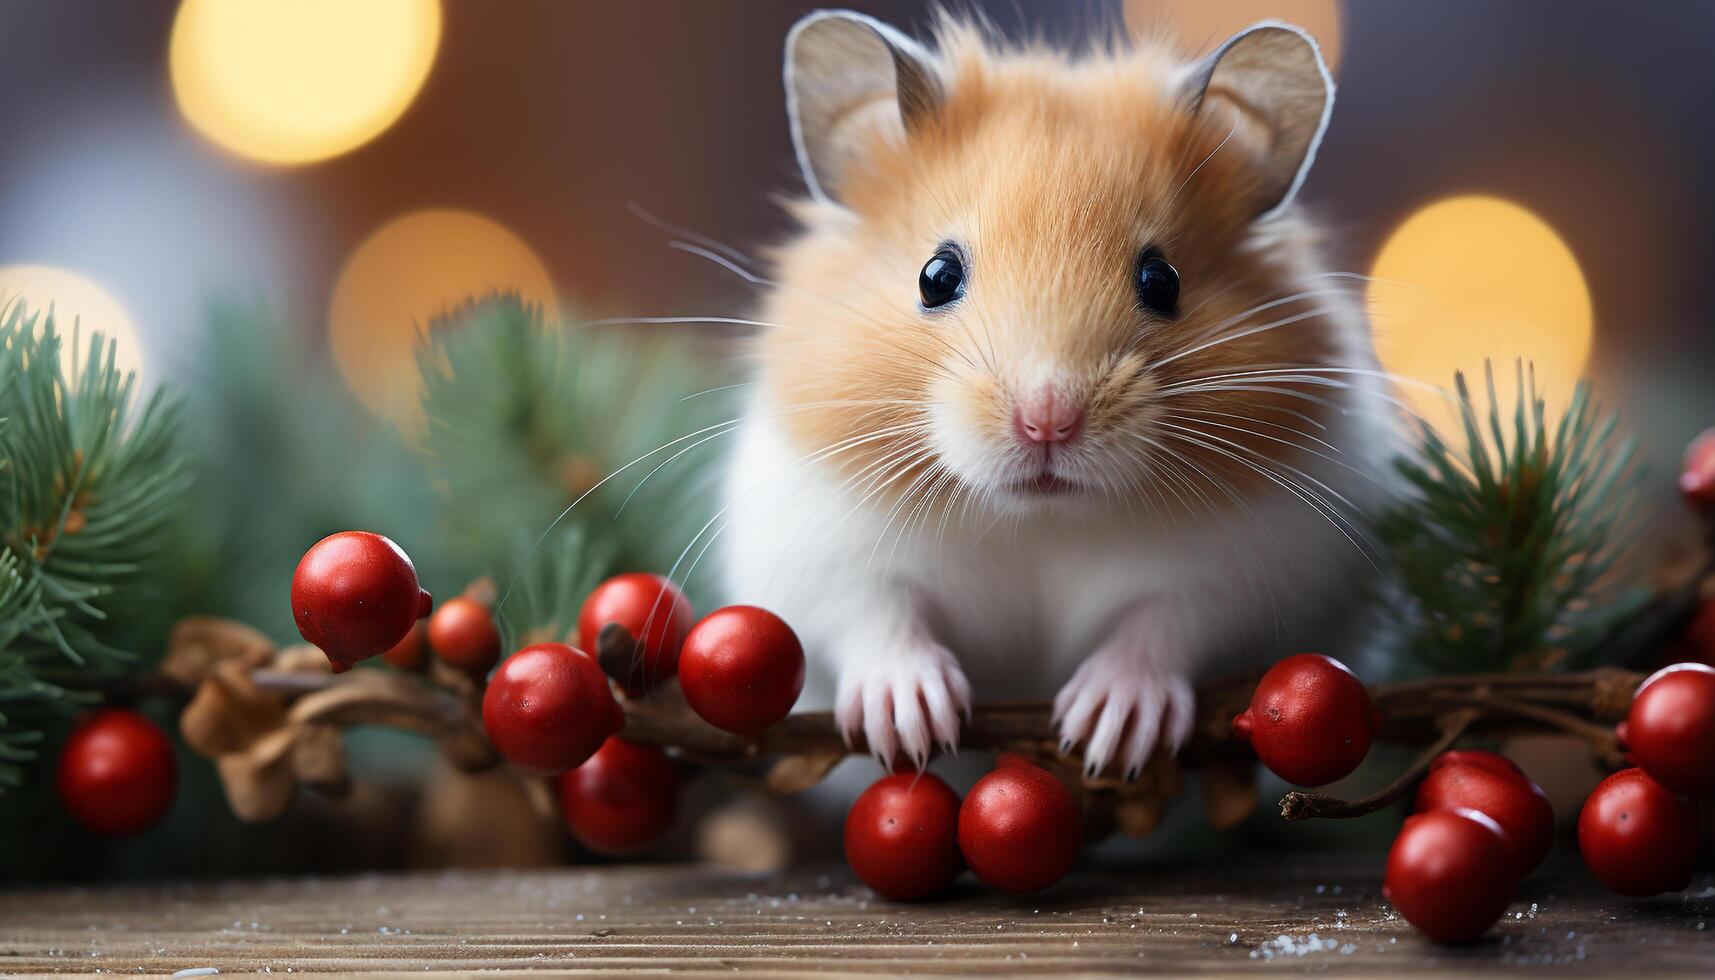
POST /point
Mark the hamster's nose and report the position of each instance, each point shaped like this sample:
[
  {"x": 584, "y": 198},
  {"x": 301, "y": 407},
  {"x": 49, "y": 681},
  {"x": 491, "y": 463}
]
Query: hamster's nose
[{"x": 1047, "y": 417}]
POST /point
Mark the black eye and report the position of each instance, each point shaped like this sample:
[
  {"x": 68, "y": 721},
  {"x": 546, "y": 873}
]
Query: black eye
[
  {"x": 1157, "y": 283},
  {"x": 942, "y": 279}
]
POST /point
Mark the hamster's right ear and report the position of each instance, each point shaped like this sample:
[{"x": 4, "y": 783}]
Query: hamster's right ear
[
  {"x": 851, "y": 79},
  {"x": 1272, "y": 79}
]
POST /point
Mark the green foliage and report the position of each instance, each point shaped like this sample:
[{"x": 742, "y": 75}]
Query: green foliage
[
  {"x": 552, "y": 580},
  {"x": 109, "y": 533},
  {"x": 533, "y": 425},
  {"x": 89, "y": 488},
  {"x": 283, "y": 456},
  {"x": 1507, "y": 552}
]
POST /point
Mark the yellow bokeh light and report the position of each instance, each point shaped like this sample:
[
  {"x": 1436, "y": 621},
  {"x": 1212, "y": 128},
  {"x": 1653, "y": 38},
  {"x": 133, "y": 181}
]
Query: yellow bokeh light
[
  {"x": 407, "y": 272},
  {"x": 1204, "y": 24},
  {"x": 81, "y": 308},
  {"x": 1472, "y": 278},
  {"x": 294, "y": 81}
]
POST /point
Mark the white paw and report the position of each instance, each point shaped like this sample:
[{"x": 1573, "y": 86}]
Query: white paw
[
  {"x": 1121, "y": 704},
  {"x": 904, "y": 702}
]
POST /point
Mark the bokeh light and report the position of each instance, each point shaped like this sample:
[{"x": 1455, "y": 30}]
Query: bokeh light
[
  {"x": 1202, "y": 25},
  {"x": 81, "y": 308},
  {"x": 409, "y": 271},
  {"x": 1475, "y": 277},
  {"x": 294, "y": 81}
]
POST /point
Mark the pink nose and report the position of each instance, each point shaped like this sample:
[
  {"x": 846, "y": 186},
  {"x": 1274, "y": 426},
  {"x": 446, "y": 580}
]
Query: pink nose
[{"x": 1047, "y": 418}]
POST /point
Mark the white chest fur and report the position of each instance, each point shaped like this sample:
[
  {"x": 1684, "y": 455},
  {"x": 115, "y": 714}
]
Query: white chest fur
[{"x": 1019, "y": 601}]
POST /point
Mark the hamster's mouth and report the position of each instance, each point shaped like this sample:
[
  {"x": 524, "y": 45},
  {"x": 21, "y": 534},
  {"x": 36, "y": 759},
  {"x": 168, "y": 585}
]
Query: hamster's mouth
[{"x": 1043, "y": 485}]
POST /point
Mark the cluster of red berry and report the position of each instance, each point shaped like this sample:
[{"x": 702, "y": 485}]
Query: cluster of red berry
[
  {"x": 355, "y": 595},
  {"x": 549, "y": 708},
  {"x": 909, "y": 836},
  {"x": 1480, "y": 825},
  {"x": 1638, "y": 830}
]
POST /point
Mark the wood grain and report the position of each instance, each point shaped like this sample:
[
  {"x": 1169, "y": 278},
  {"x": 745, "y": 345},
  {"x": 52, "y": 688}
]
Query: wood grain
[{"x": 1310, "y": 914}]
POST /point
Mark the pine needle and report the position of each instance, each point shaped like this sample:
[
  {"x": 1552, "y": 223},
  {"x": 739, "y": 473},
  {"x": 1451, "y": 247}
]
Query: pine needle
[
  {"x": 90, "y": 483},
  {"x": 1509, "y": 552}
]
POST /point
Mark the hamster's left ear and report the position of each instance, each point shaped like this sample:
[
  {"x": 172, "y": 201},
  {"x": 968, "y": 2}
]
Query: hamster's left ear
[
  {"x": 1272, "y": 78},
  {"x": 851, "y": 79}
]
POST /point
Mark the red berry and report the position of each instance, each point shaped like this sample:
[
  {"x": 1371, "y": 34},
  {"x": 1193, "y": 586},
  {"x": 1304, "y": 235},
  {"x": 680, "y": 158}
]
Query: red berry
[
  {"x": 1494, "y": 787},
  {"x": 624, "y": 797},
  {"x": 902, "y": 836},
  {"x": 117, "y": 773},
  {"x": 1670, "y": 731},
  {"x": 1492, "y": 761},
  {"x": 548, "y": 708},
  {"x": 1310, "y": 721},
  {"x": 411, "y": 652},
  {"x": 1636, "y": 836},
  {"x": 653, "y": 611},
  {"x": 1451, "y": 873},
  {"x": 742, "y": 669},
  {"x": 354, "y": 595},
  {"x": 1020, "y": 828},
  {"x": 1697, "y": 475},
  {"x": 462, "y": 633}
]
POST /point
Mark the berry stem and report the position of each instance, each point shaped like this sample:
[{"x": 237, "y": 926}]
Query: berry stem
[{"x": 1299, "y": 805}]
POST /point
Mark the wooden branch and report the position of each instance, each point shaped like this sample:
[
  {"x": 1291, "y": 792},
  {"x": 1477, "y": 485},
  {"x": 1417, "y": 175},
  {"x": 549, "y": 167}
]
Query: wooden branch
[
  {"x": 284, "y": 730},
  {"x": 1412, "y": 712}
]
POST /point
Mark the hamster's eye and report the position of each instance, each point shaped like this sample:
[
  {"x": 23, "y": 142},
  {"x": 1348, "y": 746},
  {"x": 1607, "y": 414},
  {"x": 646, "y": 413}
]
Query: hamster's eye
[
  {"x": 1157, "y": 283},
  {"x": 943, "y": 278}
]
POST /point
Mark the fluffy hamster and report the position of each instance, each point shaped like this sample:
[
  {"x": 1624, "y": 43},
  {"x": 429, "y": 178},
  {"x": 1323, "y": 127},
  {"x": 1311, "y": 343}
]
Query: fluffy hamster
[{"x": 1056, "y": 397}]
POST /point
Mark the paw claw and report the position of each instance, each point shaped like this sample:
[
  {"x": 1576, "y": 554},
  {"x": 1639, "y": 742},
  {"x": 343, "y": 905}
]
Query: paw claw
[
  {"x": 1120, "y": 706},
  {"x": 906, "y": 704}
]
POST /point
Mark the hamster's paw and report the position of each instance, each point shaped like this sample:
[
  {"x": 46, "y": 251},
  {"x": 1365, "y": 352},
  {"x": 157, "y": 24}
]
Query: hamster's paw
[
  {"x": 900, "y": 701},
  {"x": 1119, "y": 703}
]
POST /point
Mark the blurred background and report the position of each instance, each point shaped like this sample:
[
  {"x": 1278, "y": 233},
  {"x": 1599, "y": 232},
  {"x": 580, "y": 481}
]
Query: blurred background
[{"x": 251, "y": 196}]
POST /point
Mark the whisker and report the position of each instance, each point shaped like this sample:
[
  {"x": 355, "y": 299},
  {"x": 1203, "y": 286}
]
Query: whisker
[
  {"x": 619, "y": 321},
  {"x": 1241, "y": 334},
  {"x": 679, "y": 231},
  {"x": 807, "y": 459},
  {"x": 720, "y": 260},
  {"x": 710, "y": 391},
  {"x": 1287, "y": 392},
  {"x": 1288, "y": 467},
  {"x": 757, "y": 280},
  {"x": 1275, "y": 439},
  {"x": 1238, "y": 318},
  {"x": 1264, "y": 389},
  {"x": 1186, "y": 182},
  {"x": 1260, "y": 374},
  {"x": 1316, "y": 503}
]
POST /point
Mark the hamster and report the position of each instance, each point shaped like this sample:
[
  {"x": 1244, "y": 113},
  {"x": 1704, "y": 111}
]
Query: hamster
[{"x": 1054, "y": 396}]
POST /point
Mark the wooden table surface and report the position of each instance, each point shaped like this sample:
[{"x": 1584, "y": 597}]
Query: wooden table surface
[{"x": 1304, "y": 913}]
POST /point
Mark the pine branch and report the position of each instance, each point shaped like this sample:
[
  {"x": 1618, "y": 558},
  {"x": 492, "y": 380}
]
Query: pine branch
[
  {"x": 283, "y": 454},
  {"x": 551, "y": 584},
  {"x": 1510, "y": 551},
  {"x": 89, "y": 484},
  {"x": 525, "y": 422}
]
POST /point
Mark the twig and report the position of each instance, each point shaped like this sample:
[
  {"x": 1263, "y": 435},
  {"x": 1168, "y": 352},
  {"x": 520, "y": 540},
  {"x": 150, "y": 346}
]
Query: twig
[
  {"x": 1299, "y": 805},
  {"x": 1412, "y": 712},
  {"x": 1602, "y": 739}
]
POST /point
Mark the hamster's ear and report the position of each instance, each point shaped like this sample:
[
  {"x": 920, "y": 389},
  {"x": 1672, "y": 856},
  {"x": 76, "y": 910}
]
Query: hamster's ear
[
  {"x": 1273, "y": 80},
  {"x": 851, "y": 79}
]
